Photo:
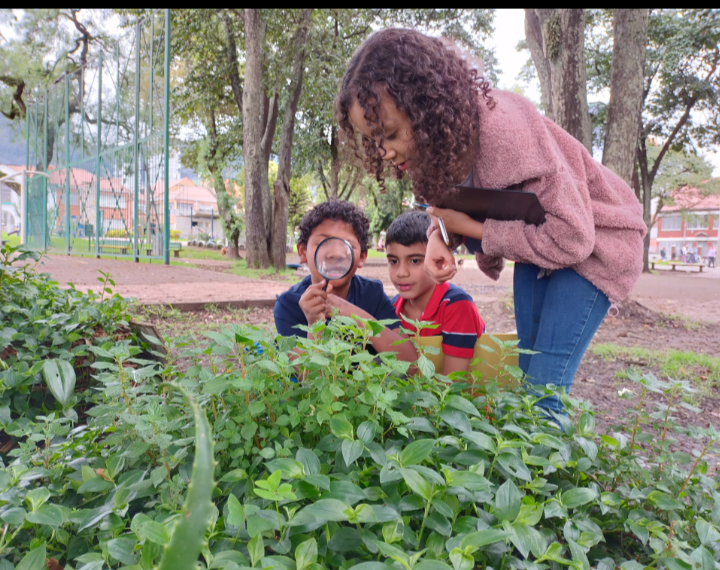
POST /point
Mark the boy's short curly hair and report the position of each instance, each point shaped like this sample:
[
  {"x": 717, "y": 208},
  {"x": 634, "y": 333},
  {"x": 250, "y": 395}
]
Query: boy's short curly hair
[
  {"x": 408, "y": 229},
  {"x": 336, "y": 210}
]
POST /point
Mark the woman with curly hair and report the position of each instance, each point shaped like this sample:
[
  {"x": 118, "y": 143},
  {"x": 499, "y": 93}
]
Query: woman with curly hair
[{"x": 420, "y": 108}]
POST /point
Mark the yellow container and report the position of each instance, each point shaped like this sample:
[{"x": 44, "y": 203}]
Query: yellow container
[{"x": 490, "y": 365}]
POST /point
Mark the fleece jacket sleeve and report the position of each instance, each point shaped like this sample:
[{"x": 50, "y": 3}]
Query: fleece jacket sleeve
[{"x": 565, "y": 239}]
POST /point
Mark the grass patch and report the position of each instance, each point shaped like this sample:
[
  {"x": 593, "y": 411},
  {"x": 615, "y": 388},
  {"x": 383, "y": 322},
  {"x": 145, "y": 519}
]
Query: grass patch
[
  {"x": 285, "y": 275},
  {"x": 702, "y": 369},
  {"x": 203, "y": 253}
]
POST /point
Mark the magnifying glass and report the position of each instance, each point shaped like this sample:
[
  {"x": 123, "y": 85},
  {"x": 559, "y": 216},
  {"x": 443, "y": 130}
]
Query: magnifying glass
[{"x": 334, "y": 259}]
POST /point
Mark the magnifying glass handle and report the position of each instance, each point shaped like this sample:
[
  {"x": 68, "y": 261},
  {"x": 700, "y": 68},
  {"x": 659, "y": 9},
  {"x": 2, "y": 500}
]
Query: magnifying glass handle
[
  {"x": 443, "y": 230},
  {"x": 326, "y": 284}
]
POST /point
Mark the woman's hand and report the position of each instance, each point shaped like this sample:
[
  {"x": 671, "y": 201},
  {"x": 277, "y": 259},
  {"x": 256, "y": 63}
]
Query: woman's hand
[
  {"x": 457, "y": 222},
  {"x": 439, "y": 260}
]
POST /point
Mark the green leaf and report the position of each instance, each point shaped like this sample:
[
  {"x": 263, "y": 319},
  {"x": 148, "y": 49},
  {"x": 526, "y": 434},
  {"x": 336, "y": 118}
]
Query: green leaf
[
  {"x": 417, "y": 483},
  {"x": 15, "y": 515},
  {"x": 507, "y": 501},
  {"x": 427, "y": 368},
  {"x": 352, "y": 450},
  {"x": 47, "y": 514},
  {"x": 483, "y": 538},
  {"x": 416, "y": 452},
  {"x": 701, "y": 557},
  {"x": 461, "y": 560},
  {"x": 345, "y": 539},
  {"x": 525, "y": 538},
  {"x": 248, "y": 430},
  {"x": 341, "y": 428},
  {"x": 462, "y": 404},
  {"x": 640, "y": 531},
  {"x": 578, "y": 554},
  {"x": 664, "y": 502},
  {"x": 469, "y": 480},
  {"x": 33, "y": 560},
  {"x": 439, "y": 523},
  {"x": 706, "y": 532},
  {"x": 324, "y": 510},
  {"x": 306, "y": 553},
  {"x": 121, "y": 549},
  {"x": 481, "y": 440},
  {"x": 530, "y": 514},
  {"x": 366, "y": 431},
  {"x": 309, "y": 460},
  {"x": 155, "y": 532},
  {"x": 256, "y": 549},
  {"x": 390, "y": 551},
  {"x": 431, "y": 565},
  {"x": 579, "y": 496},
  {"x": 60, "y": 378},
  {"x": 95, "y": 485},
  {"x": 236, "y": 513}
]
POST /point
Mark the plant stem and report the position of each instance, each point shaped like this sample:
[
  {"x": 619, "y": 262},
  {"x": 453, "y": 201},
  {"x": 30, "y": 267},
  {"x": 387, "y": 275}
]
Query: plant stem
[
  {"x": 422, "y": 526},
  {"x": 637, "y": 420},
  {"x": 697, "y": 461},
  {"x": 667, "y": 414}
]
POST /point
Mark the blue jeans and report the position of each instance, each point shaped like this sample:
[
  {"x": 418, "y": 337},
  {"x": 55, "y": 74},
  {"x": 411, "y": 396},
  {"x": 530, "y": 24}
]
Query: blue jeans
[{"x": 557, "y": 316}]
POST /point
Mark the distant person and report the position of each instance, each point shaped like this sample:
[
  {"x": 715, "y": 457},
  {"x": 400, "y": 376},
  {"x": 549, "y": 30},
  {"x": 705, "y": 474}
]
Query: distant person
[
  {"x": 711, "y": 256},
  {"x": 663, "y": 253},
  {"x": 307, "y": 302},
  {"x": 419, "y": 298},
  {"x": 683, "y": 254}
]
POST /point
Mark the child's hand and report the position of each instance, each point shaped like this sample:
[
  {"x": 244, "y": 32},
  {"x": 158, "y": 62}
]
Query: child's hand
[
  {"x": 314, "y": 302},
  {"x": 439, "y": 260}
]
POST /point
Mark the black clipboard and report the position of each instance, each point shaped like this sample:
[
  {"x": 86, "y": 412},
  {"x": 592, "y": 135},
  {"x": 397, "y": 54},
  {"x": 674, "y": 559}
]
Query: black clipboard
[{"x": 502, "y": 205}]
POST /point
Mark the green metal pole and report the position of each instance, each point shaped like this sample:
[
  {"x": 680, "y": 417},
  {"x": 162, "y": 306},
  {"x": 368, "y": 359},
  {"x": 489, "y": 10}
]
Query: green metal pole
[
  {"x": 98, "y": 222},
  {"x": 45, "y": 168},
  {"x": 151, "y": 91},
  {"x": 82, "y": 113},
  {"x": 166, "y": 144},
  {"x": 25, "y": 185},
  {"x": 67, "y": 165},
  {"x": 136, "y": 144}
]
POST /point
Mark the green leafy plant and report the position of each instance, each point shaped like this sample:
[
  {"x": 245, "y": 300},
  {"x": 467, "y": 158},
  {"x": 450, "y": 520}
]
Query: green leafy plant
[{"x": 365, "y": 463}]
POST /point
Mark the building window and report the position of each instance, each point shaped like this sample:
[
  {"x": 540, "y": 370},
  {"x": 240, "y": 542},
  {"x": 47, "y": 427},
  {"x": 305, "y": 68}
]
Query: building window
[
  {"x": 184, "y": 209},
  {"x": 671, "y": 223},
  {"x": 111, "y": 201},
  {"x": 74, "y": 199},
  {"x": 697, "y": 222}
]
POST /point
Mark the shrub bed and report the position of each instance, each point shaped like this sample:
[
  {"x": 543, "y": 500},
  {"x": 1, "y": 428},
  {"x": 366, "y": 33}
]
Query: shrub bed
[{"x": 360, "y": 465}]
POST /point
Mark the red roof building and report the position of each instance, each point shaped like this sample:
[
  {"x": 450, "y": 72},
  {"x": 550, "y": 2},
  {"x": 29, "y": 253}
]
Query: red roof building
[{"x": 693, "y": 221}]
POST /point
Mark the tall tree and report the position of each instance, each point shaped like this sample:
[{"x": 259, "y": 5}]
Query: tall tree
[
  {"x": 556, "y": 38},
  {"x": 282, "y": 183},
  {"x": 626, "y": 91}
]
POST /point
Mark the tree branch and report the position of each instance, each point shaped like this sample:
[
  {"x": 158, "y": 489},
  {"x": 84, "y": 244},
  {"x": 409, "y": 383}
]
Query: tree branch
[{"x": 232, "y": 61}]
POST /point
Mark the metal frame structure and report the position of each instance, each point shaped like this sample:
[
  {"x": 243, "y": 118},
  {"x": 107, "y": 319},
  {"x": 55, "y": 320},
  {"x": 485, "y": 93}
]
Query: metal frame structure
[{"x": 100, "y": 139}]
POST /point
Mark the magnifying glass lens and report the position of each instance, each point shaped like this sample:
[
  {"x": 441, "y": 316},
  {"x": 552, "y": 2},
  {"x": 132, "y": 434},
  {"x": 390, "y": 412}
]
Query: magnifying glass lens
[{"x": 334, "y": 258}]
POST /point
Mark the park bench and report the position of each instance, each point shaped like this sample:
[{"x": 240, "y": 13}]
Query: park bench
[
  {"x": 122, "y": 248},
  {"x": 673, "y": 264},
  {"x": 176, "y": 248}
]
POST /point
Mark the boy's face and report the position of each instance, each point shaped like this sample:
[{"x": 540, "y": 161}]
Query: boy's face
[
  {"x": 329, "y": 228},
  {"x": 407, "y": 272}
]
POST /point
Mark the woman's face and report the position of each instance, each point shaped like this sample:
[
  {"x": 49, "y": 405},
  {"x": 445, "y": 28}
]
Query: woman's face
[{"x": 397, "y": 146}]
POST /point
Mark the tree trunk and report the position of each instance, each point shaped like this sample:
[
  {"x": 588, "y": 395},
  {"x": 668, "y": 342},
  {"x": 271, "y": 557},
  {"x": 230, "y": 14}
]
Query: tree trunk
[
  {"x": 533, "y": 34},
  {"x": 334, "y": 164},
  {"x": 626, "y": 91},
  {"x": 282, "y": 184},
  {"x": 255, "y": 220},
  {"x": 563, "y": 42}
]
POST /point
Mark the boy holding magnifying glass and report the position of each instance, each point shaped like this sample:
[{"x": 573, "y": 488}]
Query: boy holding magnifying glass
[{"x": 314, "y": 298}]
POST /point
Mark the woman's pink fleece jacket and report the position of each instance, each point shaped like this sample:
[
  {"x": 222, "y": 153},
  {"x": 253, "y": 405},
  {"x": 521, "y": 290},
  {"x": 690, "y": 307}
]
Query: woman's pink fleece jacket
[{"x": 594, "y": 222}]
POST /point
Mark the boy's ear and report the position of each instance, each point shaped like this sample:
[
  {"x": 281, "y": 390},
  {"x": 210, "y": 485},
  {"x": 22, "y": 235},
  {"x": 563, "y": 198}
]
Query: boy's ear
[
  {"x": 302, "y": 252},
  {"x": 362, "y": 258}
]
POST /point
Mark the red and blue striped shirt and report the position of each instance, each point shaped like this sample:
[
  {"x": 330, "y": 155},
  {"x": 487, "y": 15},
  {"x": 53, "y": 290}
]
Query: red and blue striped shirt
[{"x": 457, "y": 316}]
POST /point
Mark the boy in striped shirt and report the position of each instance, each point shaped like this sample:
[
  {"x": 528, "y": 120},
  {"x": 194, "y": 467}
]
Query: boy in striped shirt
[{"x": 420, "y": 298}]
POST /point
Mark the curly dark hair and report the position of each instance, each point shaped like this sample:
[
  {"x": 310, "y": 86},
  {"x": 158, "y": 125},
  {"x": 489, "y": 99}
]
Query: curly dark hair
[
  {"x": 434, "y": 86},
  {"x": 336, "y": 210}
]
